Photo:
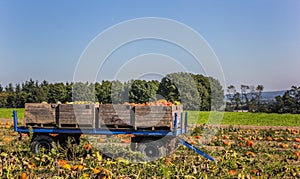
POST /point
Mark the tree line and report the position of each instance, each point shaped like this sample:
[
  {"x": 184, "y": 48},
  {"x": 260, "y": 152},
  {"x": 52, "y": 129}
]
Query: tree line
[
  {"x": 249, "y": 98},
  {"x": 194, "y": 91}
]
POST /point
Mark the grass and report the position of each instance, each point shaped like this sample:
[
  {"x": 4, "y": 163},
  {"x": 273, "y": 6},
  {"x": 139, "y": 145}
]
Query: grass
[
  {"x": 8, "y": 112},
  {"x": 256, "y": 119}
]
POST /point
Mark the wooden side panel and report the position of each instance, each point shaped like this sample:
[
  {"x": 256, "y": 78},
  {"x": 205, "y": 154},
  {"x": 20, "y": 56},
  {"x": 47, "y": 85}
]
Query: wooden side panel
[
  {"x": 152, "y": 116},
  {"x": 117, "y": 115},
  {"x": 76, "y": 114},
  {"x": 38, "y": 113},
  {"x": 156, "y": 116},
  {"x": 114, "y": 114}
]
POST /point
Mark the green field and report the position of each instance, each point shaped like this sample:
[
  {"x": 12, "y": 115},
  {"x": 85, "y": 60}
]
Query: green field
[
  {"x": 256, "y": 119},
  {"x": 234, "y": 118},
  {"x": 7, "y": 112}
]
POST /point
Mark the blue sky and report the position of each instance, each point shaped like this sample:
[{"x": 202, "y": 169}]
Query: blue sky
[{"x": 257, "y": 41}]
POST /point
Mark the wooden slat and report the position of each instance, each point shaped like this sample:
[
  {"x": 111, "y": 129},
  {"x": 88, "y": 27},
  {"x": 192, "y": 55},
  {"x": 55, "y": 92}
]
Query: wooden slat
[
  {"x": 138, "y": 116},
  {"x": 114, "y": 114},
  {"x": 39, "y": 113},
  {"x": 76, "y": 114},
  {"x": 156, "y": 116}
]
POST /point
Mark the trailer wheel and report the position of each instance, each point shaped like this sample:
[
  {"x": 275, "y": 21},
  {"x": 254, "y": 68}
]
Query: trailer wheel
[
  {"x": 41, "y": 141},
  {"x": 151, "y": 149}
]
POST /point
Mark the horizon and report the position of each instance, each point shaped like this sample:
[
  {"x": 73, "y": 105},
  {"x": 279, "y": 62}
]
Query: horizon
[{"x": 256, "y": 42}]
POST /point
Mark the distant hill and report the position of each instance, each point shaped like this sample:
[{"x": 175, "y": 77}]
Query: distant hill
[{"x": 272, "y": 94}]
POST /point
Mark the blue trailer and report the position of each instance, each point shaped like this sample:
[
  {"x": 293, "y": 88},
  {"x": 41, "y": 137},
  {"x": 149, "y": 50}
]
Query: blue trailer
[{"x": 145, "y": 140}]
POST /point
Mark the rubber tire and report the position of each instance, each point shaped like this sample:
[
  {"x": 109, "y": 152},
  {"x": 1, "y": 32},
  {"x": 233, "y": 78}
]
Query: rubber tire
[
  {"x": 151, "y": 149},
  {"x": 41, "y": 141}
]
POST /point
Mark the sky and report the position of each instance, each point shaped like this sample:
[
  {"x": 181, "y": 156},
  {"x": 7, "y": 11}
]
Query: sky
[{"x": 255, "y": 41}]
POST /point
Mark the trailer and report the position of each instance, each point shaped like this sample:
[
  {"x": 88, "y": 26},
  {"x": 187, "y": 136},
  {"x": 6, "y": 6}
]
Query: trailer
[{"x": 59, "y": 123}]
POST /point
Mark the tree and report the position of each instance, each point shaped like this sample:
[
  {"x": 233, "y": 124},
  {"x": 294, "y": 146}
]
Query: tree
[
  {"x": 216, "y": 94},
  {"x": 57, "y": 93},
  {"x": 202, "y": 83},
  {"x": 69, "y": 92},
  {"x": 82, "y": 92},
  {"x": 103, "y": 92},
  {"x": 20, "y": 98},
  {"x": 195, "y": 92},
  {"x": 180, "y": 87},
  {"x": 10, "y": 96},
  {"x": 168, "y": 90},
  {"x": 9, "y": 88},
  {"x": 252, "y": 106},
  {"x": 259, "y": 90},
  {"x": 244, "y": 94},
  {"x": 34, "y": 94},
  {"x": 237, "y": 100},
  {"x": 117, "y": 92},
  {"x": 142, "y": 91},
  {"x": 289, "y": 102},
  {"x": 3, "y": 100},
  {"x": 231, "y": 96},
  {"x": 278, "y": 107},
  {"x": 45, "y": 87}
]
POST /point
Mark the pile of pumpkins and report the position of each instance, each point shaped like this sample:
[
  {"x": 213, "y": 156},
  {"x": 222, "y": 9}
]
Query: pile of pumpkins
[{"x": 161, "y": 102}]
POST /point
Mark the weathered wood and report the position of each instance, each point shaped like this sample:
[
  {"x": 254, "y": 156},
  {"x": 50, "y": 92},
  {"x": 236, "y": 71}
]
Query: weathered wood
[
  {"x": 114, "y": 114},
  {"x": 39, "y": 113},
  {"x": 76, "y": 115},
  {"x": 156, "y": 116},
  {"x": 138, "y": 116}
]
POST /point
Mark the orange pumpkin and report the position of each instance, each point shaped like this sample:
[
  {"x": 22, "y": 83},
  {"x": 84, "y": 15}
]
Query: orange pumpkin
[
  {"x": 250, "y": 143},
  {"x": 284, "y": 146},
  {"x": 227, "y": 143},
  {"x": 232, "y": 172},
  {"x": 250, "y": 153},
  {"x": 24, "y": 176},
  {"x": 87, "y": 146}
]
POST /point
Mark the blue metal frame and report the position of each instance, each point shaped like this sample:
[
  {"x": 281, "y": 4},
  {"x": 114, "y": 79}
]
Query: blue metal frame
[
  {"x": 190, "y": 146},
  {"x": 175, "y": 132}
]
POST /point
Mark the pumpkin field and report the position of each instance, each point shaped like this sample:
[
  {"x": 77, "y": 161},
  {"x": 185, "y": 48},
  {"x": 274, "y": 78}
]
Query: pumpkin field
[{"x": 240, "y": 151}]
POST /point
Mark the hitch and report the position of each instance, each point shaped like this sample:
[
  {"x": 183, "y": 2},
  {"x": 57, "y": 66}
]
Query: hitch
[{"x": 190, "y": 146}]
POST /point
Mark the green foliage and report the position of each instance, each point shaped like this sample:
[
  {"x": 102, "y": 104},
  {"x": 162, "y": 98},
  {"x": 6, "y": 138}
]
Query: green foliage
[
  {"x": 289, "y": 102},
  {"x": 56, "y": 92},
  {"x": 117, "y": 92},
  {"x": 142, "y": 91},
  {"x": 103, "y": 92},
  {"x": 83, "y": 92},
  {"x": 195, "y": 92},
  {"x": 250, "y": 99}
]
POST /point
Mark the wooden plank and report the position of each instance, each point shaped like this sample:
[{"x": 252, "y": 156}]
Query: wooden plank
[
  {"x": 76, "y": 115},
  {"x": 114, "y": 114},
  {"x": 156, "y": 116},
  {"x": 138, "y": 116},
  {"x": 39, "y": 113}
]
